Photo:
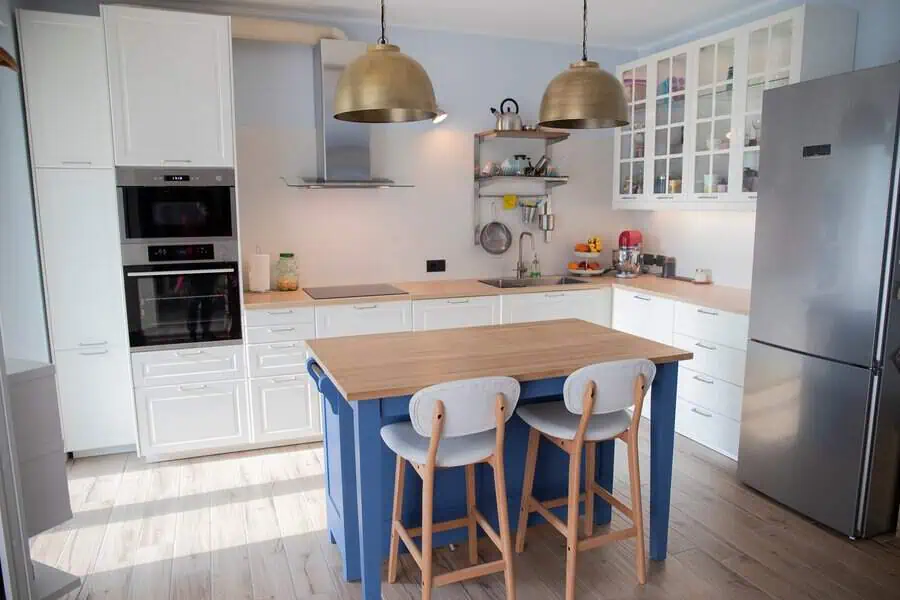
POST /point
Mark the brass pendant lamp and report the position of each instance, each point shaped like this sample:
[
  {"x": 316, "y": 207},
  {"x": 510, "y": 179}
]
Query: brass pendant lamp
[
  {"x": 584, "y": 96},
  {"x": 384, "y": 86}
]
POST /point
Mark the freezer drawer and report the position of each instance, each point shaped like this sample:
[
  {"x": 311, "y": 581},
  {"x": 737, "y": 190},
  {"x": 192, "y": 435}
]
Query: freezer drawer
[{"x": 802, "y": 431}]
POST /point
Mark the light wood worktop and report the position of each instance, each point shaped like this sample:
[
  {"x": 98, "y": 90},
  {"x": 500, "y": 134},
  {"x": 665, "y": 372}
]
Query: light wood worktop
[
  {"x": 720, "y": 297},
  {"x": 400, "y": 364}
]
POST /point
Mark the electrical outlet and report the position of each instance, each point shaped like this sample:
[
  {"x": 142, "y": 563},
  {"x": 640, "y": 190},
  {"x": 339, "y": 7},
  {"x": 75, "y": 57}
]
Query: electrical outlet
[{"x": 435, "y": 266}]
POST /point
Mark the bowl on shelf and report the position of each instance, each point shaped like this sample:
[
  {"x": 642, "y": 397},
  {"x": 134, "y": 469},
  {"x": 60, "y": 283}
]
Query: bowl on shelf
[{"x": 588, "y": 255}]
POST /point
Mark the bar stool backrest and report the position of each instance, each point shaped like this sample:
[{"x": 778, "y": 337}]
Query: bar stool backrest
[
  {"x": 469, "y": 405},
  {"x": 613, "y": 385}
]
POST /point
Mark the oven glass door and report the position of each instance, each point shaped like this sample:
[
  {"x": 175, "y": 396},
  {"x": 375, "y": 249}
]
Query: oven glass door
[
  {"x": 187, "y": 212},
  {"x": 182, "y": 304}
]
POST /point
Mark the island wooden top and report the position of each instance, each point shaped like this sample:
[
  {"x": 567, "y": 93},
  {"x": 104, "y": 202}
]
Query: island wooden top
[
  {"x": 718, "y": 297},
  {"x": 399, "y": 364}
]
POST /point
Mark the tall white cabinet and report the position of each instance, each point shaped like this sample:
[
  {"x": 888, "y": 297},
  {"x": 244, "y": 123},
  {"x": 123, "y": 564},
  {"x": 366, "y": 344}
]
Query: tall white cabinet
[
  {"x": 68, "y": 111},
  {"x": 170, "y": 86}
]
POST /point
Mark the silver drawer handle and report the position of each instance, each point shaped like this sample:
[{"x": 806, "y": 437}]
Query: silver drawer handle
[
  {"x": 704, "y": 311},
  {"x": 707, "y": 197},
  {"x": 89, "y": 344},
  {"x": 643, "y": 298},
  {"x": 191, "y": 388},
  {"x": 753, "y": 197},
  {"x": 190, "y": 353},
  {"x": 77, "y": 162},
  {"x": 171, "y": 273},
  {"x": 185, "y": 161},
  {"x": 280, "y": 329},
  {"x": 286, "y": 379},
  {"x": 702, "y": 413},
  {"x": 94, "y": 353},
  {"x": 704, "y": 346},
  {"x": 284, "y": 346},
  {"x": 560, "y": 295},
  {"x": 280, "y": 312},
  {"x": 463, "y": 301},
  {"x": 365, "y": 307},
  {"x": 666, "y": 197},
  {"x": 704, "y": 380}
]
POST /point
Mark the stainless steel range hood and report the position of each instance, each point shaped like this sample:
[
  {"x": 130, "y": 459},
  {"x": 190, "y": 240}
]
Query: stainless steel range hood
[{"x": 343, "y": 152}]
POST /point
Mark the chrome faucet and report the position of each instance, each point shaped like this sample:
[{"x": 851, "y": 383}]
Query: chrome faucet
[{"x": 521, "y": 267}]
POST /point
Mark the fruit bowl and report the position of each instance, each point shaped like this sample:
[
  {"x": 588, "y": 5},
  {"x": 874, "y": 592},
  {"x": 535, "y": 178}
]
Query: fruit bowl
[
  {"x": 586, "y": 272},
  {"x": 588, "y": 255}
]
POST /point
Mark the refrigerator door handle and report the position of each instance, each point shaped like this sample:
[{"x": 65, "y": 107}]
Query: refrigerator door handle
[{"x": 896, "y": 359}]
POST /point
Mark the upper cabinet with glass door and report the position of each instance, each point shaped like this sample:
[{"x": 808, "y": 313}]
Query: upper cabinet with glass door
[{"x": 703, "y": 108}]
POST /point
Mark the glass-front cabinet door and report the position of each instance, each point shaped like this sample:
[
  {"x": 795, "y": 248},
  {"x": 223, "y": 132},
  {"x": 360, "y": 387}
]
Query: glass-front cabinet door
[
  {"x": 669, "y": 112},
  {"x": 631, "y": 150},
  {"x": 769, "y": 66},
  {"x": 714, "y": 127}
]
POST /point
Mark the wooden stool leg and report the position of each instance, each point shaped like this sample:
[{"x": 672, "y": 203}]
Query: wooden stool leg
[
  {"x": 572, "y": 521},
  {"x": 427, "y": 523},
  {"x": 534, "y": 440},
  {"x": 634, "y": 475},
  {"x": 590, "y": 469},
  {"x": 503, "y": 518},
  {"x": 396, "y": 516},
  {"x": 470, "y": 508}
]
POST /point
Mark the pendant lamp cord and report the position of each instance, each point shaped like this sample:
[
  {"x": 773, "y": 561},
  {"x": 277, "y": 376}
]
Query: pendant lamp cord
[
  {"x": 383, "y": 38},
  {"x": 584, "y": 33}
]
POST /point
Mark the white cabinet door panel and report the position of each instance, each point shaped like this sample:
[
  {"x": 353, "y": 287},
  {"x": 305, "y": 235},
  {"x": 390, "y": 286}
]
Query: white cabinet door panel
[
  {"x": 713, "y": 394},
  {"x": 271, "y": 317},
  {"x": 176, "y": 367},
  {"x": 95, "y": 398},
  {"x": 284, "y": 408},
  {"x": 707, "y": 427},
  {"x": 193, "y": 417},
  {"x": 713, "y": 359},
  {"x": 280, "y": 333},
  {"x": 66, "y": 90},
  {"x": 643, "y": 315},
  {"x": 717, "y": 326},
  {"x": 453, "y": 313},
  {"x": 590, "y": 305},
  {"x": 82, "y": 258},
  {"x": 363, "y": 318},
  {"x": 170, "y": 87},
  {"x": 269, "y": 360}
]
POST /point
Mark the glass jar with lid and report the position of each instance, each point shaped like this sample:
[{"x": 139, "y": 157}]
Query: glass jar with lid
[{"x": 286, "y": 279}]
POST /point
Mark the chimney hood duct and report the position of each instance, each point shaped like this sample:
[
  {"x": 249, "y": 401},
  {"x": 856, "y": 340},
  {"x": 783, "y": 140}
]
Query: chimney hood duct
[{"x": 343, "y": 152}]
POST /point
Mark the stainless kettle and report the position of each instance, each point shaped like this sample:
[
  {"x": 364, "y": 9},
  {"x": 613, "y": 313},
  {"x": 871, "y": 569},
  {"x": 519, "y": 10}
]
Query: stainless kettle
[{"x": 507, "y": 120}]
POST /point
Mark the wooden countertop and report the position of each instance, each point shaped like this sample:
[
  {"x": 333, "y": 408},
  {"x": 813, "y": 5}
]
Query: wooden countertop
[
  {"x": 720, "y": 297},
  {"x": 400, "y": 364}
]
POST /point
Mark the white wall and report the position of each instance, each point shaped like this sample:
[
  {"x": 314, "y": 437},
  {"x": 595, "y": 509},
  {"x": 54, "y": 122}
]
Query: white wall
[
  {"x": 348, "y": 236},
  {"x": 21, "y": 292}
]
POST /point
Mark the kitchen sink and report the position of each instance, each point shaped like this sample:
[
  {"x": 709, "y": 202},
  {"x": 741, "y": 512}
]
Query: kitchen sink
[{"x": 512, "y": 282}]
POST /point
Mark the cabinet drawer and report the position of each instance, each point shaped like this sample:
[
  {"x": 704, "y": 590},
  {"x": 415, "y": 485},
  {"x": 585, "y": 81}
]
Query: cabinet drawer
[
  {"x": 644, "y": 315},
  {"x": 175, "y": 367},
  {"x": 363, "y": 318},
  {"x": 708, "y": 428},
  {"x": 269, "y": 360},
  {"x": 713, "y": 394},
  {"x": 452, "y": 313},
  {"x": 194, "y": 416},
  {"x": 283, "y": 408},
  {"x": 713, "y": 325},
  {"x": 281, "y": 333},
  {"x": 722, "y": 362},
  {"x": 261, "y": 317}
]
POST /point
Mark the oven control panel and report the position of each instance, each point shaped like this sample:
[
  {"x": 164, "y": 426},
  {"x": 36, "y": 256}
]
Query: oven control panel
[{"x": 186, "y": 252}]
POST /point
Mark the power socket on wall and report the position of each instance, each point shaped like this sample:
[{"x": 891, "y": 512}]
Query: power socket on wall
[{"x": 435, "y": 266}]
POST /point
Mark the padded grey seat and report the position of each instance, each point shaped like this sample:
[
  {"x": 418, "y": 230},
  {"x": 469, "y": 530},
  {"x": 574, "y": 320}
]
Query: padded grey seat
[
  {"x": 403, "y": 440},
  {"x": 554, "y": 419}
]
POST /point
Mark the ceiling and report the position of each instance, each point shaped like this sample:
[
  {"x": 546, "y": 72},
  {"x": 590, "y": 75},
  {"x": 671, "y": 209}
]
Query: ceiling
[{"x": 616, "y": 23}]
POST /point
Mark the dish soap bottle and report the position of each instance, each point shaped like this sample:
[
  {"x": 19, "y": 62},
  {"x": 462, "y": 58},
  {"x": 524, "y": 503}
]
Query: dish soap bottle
[{"x": 535, "y": 267}]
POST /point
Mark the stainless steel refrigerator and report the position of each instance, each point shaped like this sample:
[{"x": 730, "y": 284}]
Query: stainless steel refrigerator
[{"x": 820, "y": 423}]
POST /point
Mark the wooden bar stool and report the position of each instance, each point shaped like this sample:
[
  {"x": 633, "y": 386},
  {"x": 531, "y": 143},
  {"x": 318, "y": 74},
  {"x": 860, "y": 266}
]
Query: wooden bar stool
[
  {"x": 454, "y": 424},
  {"x": 586, "y": 417}
]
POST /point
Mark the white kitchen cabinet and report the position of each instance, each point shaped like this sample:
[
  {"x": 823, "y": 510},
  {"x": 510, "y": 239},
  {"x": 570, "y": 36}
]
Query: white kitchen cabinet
[
  {"x": 193, "y": 416},
  {"x": 589, "y": 305},
  {"x": 170, "y": 81},
  {"x": 66, "y": 90},
  {"x": 713, "y": 359},
  {"x": 79, "y": 234},
  {"x": 714, "y": 325},
  {"x": 363, "y": 318},
  {"x": 272, "y": 316},
  {"x": 283, "y": 409},
  {"x": 706, "y": 427},
  {"x": 191, "y": 365},
  {"x": 644, "y": 315},
  {"x": 275, "y": 333},
  {"x": 283, "y": 358},
  {"x": 452, "y": 313},
  {"x": 697, "y": 109},
  {"x": 95, "y": 397}
]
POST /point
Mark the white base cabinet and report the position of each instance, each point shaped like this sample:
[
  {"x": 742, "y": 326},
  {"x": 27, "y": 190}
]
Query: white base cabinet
[
  {"x": 452, "y": 313},
  {"x": 589, "y": 305},
  {"x": 363, "y": 318},
  {"x": 284, "y": 408}
]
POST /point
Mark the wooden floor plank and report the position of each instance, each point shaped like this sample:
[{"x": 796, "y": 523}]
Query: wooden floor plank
[
  {"x": 191, "y": 569},
  {"x": 230, "y": 560}
]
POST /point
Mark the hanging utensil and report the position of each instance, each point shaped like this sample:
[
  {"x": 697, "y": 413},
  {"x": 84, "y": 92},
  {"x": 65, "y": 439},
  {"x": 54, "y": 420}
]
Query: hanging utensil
[{"x": 496, "y": 238}]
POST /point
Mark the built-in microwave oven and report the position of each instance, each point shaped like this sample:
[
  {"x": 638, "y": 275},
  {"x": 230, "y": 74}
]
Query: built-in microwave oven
[{"x": 181, "y": 205}]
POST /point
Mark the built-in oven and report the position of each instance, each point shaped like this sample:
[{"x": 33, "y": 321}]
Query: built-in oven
[
  {"x": 180, "y": 205},
  {"x": 182, "y": 295}
]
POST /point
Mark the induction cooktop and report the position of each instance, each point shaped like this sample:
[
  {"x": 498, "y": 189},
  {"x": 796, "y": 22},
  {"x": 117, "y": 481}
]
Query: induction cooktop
[{"x": 353, "y": 291}]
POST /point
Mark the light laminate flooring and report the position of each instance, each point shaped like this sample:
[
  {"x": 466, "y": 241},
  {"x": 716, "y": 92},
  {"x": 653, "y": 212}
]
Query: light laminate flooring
[{"x": 252, "y": 526}]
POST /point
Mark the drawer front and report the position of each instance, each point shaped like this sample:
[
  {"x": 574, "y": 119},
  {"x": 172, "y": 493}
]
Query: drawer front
[
  {"x": 712, "y": 394},
  {"x": 175, "y": 367},
  {"x": 188, "y": 417},
  {"x": 644, "y": 315},
  {"x": 710, "y": 358},
  {"x": 713, "y": 325},
  {"x": 453, "y": 313},
  {"x": 265, "y": 317},
  {"x": 280, "y": 333},
  {"x": 283, "y": 408},
  {"x": 363, "y": 318},
  {"x": 285, "y": 358},
  {"x": 708, "y": 428}
]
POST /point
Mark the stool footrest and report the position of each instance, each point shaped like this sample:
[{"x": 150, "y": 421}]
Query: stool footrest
[
  {"x": 549, "y": 516},
  {"x": 469, "y": 573},
  {"x": 442, "y": 526},
  {"x": 409, "y": 543},
  {"x": 613, "y": 501},
  {"x": 483, "y": 523},
  {"x": 606, "y": 538}
]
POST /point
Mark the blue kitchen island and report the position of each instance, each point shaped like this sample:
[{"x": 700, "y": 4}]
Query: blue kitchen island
[{"x": 366, "y": 383}]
